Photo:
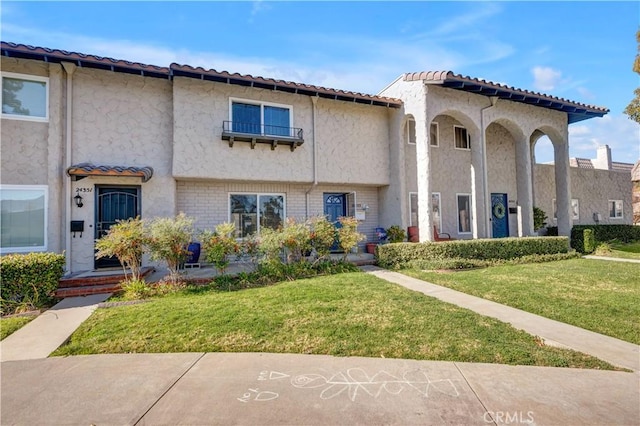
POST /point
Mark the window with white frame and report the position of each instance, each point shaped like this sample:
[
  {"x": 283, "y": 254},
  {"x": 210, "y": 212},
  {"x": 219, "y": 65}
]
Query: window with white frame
[
  {"x": 25, "y": 97},
  {"x": 575, "y": 209},
  {"x": 23, "y": 220},
  {"x": 252, "y": 212},
  {"x": 615, "y": 209},
  {"x": 436, "y": 218},
  {"x": 464, "y": 213},
  {"x": 434, "y": 134},
  {"x": 411, "y": 131},
  {"x": 461, "y": 138},
  {"x": 261, "y": 118}
]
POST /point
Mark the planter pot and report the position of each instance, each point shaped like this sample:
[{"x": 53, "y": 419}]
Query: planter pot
[
  {"x": 371, "y": 248},
  {"x": 194, "y": 249},
  {"x": 412, "y": 233}
]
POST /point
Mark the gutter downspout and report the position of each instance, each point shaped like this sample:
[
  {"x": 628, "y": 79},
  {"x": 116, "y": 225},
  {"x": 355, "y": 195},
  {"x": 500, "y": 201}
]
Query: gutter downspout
[
  {"x": 485, "y": 174},
  {"x": 69, "y": 69},
  {"x": 314, "y": 102}
]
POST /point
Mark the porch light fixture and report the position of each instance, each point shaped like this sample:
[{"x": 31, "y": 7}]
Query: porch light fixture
[{"x": 78, "y": 201}]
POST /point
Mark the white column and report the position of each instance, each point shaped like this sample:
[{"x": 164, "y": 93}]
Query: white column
[
  {"x": 524, "y": 180},
  {"x": 563, "y": 187},
  {"x": 479, "y": 188}
]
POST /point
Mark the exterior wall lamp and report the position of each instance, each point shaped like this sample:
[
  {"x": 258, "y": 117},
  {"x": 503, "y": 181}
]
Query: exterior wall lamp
[{"x": 78, "y": 201}]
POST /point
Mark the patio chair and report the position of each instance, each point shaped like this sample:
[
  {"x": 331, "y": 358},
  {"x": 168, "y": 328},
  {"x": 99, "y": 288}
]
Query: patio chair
[{"x": 441, "y": 236}]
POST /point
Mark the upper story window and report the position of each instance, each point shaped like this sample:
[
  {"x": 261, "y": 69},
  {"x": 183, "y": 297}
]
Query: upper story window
[
  {"x": 411, "y": 131},
  {"x": 24, "y": 218},
  {"x": 25, "y": 97},
  {"x": 434, "y": 134},
  {"x": 261, "y": 118},
  {"x": 461, "y": 137}
]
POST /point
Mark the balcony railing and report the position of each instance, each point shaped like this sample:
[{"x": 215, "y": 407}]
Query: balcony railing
[{"x": 260, "y": 133}]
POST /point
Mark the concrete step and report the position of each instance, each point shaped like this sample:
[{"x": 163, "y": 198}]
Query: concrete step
[
  {"x": 97, "y": 278},
  {"x": 87, "y": 290}
]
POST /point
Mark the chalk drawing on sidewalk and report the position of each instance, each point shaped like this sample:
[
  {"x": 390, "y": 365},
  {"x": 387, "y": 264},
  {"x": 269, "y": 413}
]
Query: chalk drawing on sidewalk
[{"x": 354, "y": 382}]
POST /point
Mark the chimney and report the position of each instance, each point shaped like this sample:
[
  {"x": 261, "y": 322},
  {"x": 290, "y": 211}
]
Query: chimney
[{"x": 603, "y": 158}]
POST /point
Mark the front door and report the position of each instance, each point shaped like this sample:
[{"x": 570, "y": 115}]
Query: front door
[
  {"x": 499, "y": 215},
  {"x": 335, "y": 206},
  {"x": 114, "y": 203}
]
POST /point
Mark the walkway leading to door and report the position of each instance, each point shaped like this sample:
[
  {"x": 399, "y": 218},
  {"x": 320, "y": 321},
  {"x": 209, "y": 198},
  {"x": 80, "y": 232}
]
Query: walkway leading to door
[
  {"x": 612, "y": 350},
  {"x": 44, "y": 334}
]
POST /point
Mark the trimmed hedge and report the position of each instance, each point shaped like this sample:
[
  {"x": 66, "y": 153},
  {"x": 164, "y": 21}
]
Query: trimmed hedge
[
  {"x": 460, "y": 264},
  {"x": 400, "y": 255},
  {"x": 29, "y": 280},
  {"x": 601, "y": 234}
]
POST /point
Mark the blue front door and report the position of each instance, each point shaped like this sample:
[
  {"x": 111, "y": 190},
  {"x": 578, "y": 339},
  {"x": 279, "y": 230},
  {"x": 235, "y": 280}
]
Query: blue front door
[
  {"x": 500, "y": 215},
  {"x": 335, "y": 206}
]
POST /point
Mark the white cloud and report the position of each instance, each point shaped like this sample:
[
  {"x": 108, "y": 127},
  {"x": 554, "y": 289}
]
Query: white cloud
[
  {"x": 257, "y": 7},
  {"x": 545, "y": 78}
]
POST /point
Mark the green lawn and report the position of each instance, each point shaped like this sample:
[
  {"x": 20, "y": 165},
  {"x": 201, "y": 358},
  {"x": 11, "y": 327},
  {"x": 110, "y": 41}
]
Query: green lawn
[
  {"x": 11, "y": 324},
  {"x": 593, "y": 294},
  {"x": 353, "y": 314}
]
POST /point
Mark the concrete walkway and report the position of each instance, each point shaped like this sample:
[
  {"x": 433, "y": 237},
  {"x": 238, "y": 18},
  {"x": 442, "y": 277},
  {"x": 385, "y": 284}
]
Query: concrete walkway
[
  {"x": 50, "y": 329},
  {"x": 287, "y": 389},
  {"x": 615, "y": 259},
  {"x": 612, "y": 350}
]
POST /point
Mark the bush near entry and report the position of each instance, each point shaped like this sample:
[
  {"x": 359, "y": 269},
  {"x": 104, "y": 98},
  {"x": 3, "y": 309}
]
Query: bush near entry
[
  {"x": 29, "y": 281},
  {"x": 402, "y": 254}
]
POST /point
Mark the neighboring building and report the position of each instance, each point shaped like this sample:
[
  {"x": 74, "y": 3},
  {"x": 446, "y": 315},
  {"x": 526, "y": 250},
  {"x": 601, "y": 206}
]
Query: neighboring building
[
  {"x": 598, "y": 190},
  {"x": 88, "y": 140}
]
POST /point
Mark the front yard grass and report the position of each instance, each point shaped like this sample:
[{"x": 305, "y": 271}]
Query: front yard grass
[
  {"x": 351, "y": 314},
  {"x": 10, "y": 325},
  {"x": 599, "y": 296}
]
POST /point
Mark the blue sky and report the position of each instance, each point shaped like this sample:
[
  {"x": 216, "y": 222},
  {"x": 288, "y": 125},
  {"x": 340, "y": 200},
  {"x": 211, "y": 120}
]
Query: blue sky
[{"x": 582, "y": 51}]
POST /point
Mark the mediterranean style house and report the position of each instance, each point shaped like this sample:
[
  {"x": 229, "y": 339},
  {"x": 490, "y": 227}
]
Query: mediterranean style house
[{"x": 88, "y": 140}]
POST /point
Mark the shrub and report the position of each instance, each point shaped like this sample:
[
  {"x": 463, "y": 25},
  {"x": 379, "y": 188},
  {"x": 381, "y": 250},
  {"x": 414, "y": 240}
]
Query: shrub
[
  {"x": 400, "y": 254},
  {"x": 135, "y": 289},
  {"x": 29, "y": 281},
  {"x": 323, "y": 235},
  {"x": 126, "y": 241},
  {"x": 348, "y": 235},
  {"x": 221, "y": 244},
  {"x": 296, "y": 239},
  {"x": 396, "y": 234},
  {"x": 539, "y": 218},
  {"x": 168, "y": 240}
]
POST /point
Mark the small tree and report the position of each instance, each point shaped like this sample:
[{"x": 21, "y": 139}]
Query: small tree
[
  {"x": 539, "y": 218},
  {"x": 219, "y": 245},
  {"x": 168, "y": 241},
  {"x": 126, "y": 241},
  {"x": 296, "y": 238},
  {"x": 348, "y": 234},
  {"x": 323, "y": 235}
]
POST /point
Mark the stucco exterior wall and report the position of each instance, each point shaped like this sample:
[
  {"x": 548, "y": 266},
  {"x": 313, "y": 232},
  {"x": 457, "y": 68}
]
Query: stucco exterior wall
[
  {"x": 592, "y": 188},
  {"x": 120, "y": 120},
  {"x": 32, "y": 152},
  {"x": 352, "y": 140},
  {"x": 208, "y": 201}
]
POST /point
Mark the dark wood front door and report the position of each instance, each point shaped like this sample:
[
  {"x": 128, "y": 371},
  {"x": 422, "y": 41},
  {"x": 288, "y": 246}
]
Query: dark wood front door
[{"x": 114, "y": 203}]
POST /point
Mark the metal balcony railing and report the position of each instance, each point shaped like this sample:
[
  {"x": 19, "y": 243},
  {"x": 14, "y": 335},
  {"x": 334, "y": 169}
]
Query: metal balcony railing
[{"x": 261, "y": 133}]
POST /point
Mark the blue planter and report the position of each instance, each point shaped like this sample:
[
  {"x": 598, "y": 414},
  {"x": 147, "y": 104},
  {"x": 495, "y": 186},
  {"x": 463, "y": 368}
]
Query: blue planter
[{"x": 194, "y": 249}]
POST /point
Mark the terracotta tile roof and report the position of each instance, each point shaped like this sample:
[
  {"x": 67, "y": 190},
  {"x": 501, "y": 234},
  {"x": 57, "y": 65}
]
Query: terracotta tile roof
[
  {"x": 116, "y": 65},
  {"x": 281, "y": 85},
  {"x": 635, "y": 173},
  {"x": 81, "y": 59},
  {"x": 87, "y": 169},
  {"x": 575, "y": 110},
  {"x": 621, "y": 167}
]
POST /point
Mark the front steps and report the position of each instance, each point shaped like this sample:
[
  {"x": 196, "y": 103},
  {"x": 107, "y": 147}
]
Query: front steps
[{"x": 88, "y": 283}]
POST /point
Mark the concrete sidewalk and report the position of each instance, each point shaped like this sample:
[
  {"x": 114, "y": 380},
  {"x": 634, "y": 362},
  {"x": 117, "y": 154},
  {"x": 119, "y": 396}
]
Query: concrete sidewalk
[
  {"x": 50, "y": 329},
  {"x": 612, "y": 350},
  {"x": 287, "y": 389},
  {"x": 613, "y": 259}
]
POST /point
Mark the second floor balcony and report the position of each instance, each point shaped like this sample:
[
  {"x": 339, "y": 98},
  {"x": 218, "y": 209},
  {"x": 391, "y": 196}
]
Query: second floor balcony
[{"x": 253, "y": 133}]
